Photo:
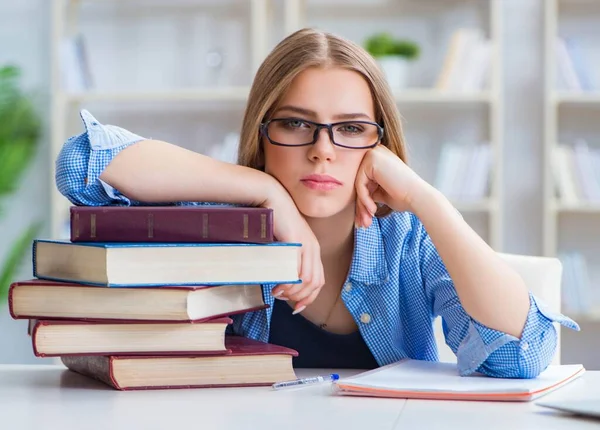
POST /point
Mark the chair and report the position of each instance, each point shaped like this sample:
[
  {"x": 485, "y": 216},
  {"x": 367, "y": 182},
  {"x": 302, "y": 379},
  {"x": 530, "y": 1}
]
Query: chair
[{"x": 542, "y": 275}]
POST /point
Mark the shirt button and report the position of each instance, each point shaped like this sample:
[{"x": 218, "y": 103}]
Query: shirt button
[
  {"x": 348, "y": 287},
  {"x": 365, "y": 318},
  {"x": 524, "y": 346}
]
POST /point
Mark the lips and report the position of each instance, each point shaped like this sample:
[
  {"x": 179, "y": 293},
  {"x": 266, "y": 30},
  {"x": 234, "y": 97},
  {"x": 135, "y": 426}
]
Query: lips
[{"x": 320, "y": 182}]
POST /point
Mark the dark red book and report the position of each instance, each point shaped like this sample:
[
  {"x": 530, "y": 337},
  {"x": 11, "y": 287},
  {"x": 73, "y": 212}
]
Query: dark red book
[
  {"x": 249, "y": 363},
  {"x": 59, "y": 338},
  {"x": 166, "y": 224},
  {"x": 50, "y": 300}
]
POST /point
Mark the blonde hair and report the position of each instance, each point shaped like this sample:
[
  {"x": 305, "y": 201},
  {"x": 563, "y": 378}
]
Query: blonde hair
[{"x": 299, "y": 51}]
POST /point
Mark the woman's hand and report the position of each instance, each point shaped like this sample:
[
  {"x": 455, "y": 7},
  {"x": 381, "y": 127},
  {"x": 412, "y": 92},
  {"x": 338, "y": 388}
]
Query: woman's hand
[
  {"x": 384, "y": 178},
  {"x": 290, "y": 226}
]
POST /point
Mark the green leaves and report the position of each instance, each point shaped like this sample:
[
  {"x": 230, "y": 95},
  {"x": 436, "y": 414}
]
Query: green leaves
[
  {"x": 15, "y": 257},
  {"x": 383, "y": 44},
  {"x": 20, "y": 129}
]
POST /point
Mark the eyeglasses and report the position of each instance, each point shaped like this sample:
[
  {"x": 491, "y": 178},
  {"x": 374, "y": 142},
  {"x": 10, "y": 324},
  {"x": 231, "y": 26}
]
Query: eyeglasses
[{"x": 302, "y": 132}]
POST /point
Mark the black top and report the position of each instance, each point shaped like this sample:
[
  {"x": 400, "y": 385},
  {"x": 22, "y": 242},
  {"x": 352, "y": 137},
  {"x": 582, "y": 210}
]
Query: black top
[{"x": 316, "y": 347}]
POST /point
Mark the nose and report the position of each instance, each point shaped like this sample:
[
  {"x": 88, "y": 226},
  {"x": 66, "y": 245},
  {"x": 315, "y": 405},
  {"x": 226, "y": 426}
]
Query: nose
[{"x": 323, "y": 149}]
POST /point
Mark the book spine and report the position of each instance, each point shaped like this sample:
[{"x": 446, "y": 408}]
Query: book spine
[
  {"x": 151, "y": 224},
  {"x": 96, "y": 367}
]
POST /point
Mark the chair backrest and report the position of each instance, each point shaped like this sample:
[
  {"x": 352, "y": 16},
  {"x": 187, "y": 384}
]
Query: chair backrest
[{"x": 542, "y": 275}]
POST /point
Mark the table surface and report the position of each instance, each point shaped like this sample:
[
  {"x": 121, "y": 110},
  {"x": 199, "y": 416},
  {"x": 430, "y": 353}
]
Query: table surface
[{"x": 50, "y": 397}]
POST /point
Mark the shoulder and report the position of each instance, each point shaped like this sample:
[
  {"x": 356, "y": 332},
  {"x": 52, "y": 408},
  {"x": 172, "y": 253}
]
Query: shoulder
[{"x": 105, "y": 136}]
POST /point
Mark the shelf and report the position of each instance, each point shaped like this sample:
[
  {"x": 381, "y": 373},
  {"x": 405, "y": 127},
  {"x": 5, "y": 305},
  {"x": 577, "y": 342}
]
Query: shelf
[
  {"x": 485, "y": 205},
  {"x": 581, "y": 97},
  {"x": 426, "y": 95},
  {"x": 240, "y": 94},
  {"x": 591, "y": 316},
  {"x": 581, "y": 207},
  {"x": 237, "y": 94}
]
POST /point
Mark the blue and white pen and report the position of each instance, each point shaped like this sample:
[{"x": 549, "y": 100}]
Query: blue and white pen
[{"x": 306, "y": 381}]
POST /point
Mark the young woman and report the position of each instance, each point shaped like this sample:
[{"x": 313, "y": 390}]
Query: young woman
[{"x": 384, "y": 253}]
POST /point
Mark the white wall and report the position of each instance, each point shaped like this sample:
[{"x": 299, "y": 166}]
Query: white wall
[
  {"x": 24, "y": 29},
  {"x": 23, "y": 41}
]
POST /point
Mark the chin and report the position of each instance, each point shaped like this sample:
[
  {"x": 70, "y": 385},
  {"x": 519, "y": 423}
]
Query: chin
[{"x": 320, "y": 208}]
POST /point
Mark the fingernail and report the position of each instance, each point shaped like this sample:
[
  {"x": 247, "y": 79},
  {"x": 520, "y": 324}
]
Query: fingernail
[
  {"x": 285, "y": 299},
  {"x": 277, "y": 294},
  {"x": 300, "y": 309}
]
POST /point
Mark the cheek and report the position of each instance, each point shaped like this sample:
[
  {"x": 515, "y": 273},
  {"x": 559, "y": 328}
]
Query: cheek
[
  {"x": 279, "y": 161},
  {"x": 352, "y": 165}
]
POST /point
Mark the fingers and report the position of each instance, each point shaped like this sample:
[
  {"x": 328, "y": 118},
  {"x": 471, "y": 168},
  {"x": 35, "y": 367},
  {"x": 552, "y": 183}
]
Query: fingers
[
  {"x": 363, "y": 194},
  {"x": 312, "y": 276},
  {"x": 363, "y": 217},
  {"x": 303, "y": 303}
]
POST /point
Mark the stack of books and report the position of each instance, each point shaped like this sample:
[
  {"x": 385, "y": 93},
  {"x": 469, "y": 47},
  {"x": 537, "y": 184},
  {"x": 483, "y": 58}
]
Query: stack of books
[{"x": 141, "y": 297}]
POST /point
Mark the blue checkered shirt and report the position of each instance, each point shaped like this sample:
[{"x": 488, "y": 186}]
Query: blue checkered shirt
[{"x": 396, "y": 287}]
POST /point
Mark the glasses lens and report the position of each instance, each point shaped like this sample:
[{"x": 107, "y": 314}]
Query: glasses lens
[
  {"x": 294, "y": 131},
  {"x": 291, "y": 131},
  {"x": 355, "y": 134}
]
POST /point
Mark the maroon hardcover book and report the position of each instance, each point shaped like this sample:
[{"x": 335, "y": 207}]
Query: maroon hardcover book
[
  {"x": 171, "y": 224},
  {"x": 249, "y": 363}
]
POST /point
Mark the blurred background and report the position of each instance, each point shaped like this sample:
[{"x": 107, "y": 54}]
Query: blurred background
[{"x": 500, "y": 100}]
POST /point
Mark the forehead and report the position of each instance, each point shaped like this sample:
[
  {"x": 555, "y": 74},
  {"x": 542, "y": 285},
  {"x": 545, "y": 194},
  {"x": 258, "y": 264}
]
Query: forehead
[{"x": 330, "y": 91}]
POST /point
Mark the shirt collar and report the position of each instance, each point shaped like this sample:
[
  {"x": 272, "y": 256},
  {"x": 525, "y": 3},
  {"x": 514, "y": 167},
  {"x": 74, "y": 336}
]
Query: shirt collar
[{"x": 369, "y": 265}]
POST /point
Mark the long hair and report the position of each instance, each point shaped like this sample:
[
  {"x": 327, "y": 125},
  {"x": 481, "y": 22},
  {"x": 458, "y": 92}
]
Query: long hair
[{"x": 312, "y": 48}]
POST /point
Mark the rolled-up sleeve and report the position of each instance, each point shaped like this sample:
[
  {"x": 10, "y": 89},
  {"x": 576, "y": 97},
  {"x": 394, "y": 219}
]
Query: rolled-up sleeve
[
  {"x": 83, "y": 158},
  {"x": 479, "y": 348}
]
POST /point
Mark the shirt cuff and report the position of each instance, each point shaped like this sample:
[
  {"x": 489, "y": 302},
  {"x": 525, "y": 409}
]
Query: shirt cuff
[{"x": 498, "y": 354}]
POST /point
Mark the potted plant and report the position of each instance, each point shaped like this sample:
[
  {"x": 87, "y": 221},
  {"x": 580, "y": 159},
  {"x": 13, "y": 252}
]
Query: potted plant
[
  {"x": 393, "y": 56},
  {"x": 20, "y": 129}
]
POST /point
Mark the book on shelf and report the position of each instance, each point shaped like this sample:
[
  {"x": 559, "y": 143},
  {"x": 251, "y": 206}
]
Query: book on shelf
[
  {"x": 577, "y": 294},
  {"x": 75, "y": 67},
  {"x": 171, "y": 224},
  {"x": 41, "y": 299},
  {"x": 466, "y": 66},
  {"x": 57, "y": 338},
  {"x": 158, "y": 264},
  {"x": 572, "y": 72},
  {"x": 463, "y": 171},
  {"x": 576, "y": 172},
  {"x": 249, "y": 363},
  {"x": 415, "y": 379}
]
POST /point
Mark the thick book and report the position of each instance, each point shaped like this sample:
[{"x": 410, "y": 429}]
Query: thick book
[
  {"x": 156, "y": 264},
  {"x": 41, "y": 299},
  {"x": 249, "y": 363},
  {"x": 171, "y": 224},
  {"x": 58, "y": 338},
  {"x": 415, "y": 379}
]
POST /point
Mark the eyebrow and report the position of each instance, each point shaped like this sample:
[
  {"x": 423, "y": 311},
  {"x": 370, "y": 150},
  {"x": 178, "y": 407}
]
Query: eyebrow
[{"x": 313, "y": 114}]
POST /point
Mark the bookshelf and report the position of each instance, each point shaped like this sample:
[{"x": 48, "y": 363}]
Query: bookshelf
[
  {"x": 571, "y": 224},
  {"x": 264, "y": 23},
  {"x": 431, "y": 24}
]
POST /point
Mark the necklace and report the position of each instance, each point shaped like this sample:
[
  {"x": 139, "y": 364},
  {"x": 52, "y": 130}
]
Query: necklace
[{"x": 323, "y": 325}]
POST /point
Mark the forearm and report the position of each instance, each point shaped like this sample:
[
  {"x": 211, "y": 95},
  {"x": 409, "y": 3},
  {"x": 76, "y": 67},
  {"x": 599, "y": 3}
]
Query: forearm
[
  {"x": 155, "y": 171},
  {"x": 489, "y": 290}
]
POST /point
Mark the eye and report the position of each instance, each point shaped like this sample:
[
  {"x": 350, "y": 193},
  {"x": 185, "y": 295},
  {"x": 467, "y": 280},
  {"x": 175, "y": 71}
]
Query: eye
[
  {"x": 294, "y": 123},
  {"x": 351, "y": 129}
]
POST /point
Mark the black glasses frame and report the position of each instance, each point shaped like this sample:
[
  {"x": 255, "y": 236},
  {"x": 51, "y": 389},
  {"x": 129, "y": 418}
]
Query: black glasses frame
[{"x": 264, "y": 129}]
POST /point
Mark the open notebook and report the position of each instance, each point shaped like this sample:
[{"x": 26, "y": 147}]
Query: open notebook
[{"x": 414, "y": 379}]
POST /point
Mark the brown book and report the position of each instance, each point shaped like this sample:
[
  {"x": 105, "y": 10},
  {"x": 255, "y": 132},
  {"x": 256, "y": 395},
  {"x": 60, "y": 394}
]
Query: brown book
[
  {"x": 40, "y": 299},
  {"x": 250, "y": 363},
  {"x": 157, "y": 264},
  {"x": 57, "y": 338},
  {"x": 171, "y": 224}
]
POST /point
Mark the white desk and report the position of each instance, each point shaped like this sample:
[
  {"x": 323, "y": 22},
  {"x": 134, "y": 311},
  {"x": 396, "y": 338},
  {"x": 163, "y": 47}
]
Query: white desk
[{"x": 34, "y": 397}]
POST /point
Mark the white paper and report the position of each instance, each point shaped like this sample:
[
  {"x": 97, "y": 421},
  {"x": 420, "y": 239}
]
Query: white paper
[{"x": 427, "y": 376}]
